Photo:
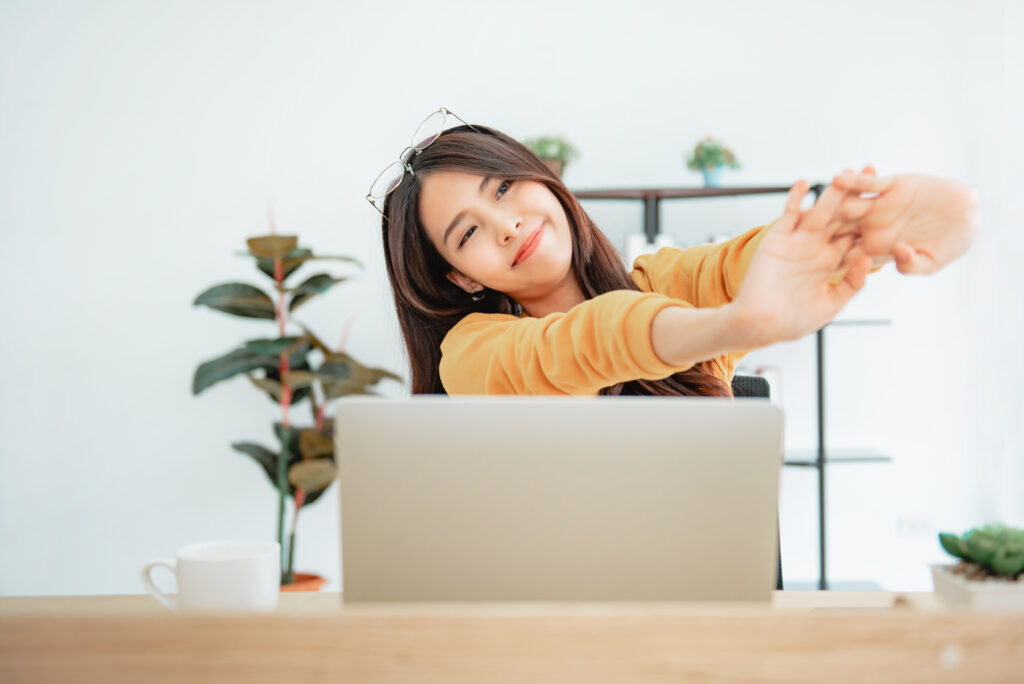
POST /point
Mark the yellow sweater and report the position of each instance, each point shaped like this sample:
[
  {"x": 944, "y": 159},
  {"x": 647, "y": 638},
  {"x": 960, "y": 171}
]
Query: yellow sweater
[{"x": 602, "y": 341}]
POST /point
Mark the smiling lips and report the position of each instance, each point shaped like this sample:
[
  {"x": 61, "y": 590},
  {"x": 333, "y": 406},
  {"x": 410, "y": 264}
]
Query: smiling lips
[{"x": 529, "y": 246}]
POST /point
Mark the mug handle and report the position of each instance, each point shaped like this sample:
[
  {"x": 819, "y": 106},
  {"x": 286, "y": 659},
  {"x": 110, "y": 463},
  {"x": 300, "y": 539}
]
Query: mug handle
[{"x": 147, "y": 582}]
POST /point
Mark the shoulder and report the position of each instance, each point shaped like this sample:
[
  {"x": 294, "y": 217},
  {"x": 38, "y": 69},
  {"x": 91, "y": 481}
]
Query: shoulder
[
  {"x": 479, "y": 320},
  {"x": 473, "y": 325}
]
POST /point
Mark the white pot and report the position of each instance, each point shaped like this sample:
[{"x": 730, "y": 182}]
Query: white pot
[{"x": 956, "y": 590}]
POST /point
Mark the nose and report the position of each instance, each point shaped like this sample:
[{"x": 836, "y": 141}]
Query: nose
[{"x": 509, "y": 228}]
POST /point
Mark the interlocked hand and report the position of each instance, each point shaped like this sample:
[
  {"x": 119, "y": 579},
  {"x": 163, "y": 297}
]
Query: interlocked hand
[
  {"x": 791, "y": 287},
  {"x": 923, "y": 222}
]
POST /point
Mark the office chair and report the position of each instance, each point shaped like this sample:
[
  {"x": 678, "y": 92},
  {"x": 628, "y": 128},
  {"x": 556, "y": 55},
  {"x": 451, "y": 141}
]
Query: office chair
[{"x": 756, "y": 386}]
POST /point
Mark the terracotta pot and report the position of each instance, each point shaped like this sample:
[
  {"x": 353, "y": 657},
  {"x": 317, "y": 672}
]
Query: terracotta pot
[
  {"x": 555, "y": 165},
  {"x": 305, "y": 582}
]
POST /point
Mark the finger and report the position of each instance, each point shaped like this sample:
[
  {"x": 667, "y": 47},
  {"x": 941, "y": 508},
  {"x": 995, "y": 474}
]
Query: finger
[
  {"x": 851, "y": 256},
  {"x": 854, "y": 207},
  {"x": 855, "y": 278},
  {"x": 909, "y": 261},
  {"x": 791, "y": 215},
  {"x": 860, "y": 182},
  {"x": 870, "y": 170},
  {"x": 846, "y": 218},
  {"x": 820, "y": 215}
]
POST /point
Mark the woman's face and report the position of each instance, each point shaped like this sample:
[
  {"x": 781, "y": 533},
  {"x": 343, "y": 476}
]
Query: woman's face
[{"x": 507, "y": 235}]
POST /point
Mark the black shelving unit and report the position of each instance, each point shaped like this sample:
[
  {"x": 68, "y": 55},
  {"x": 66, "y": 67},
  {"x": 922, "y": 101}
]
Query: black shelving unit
[
  {"x": 820, "y": 457},
  {"x": 821, "y": 454}
]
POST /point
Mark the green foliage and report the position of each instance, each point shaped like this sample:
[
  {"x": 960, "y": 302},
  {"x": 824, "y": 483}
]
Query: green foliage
[
  {"x": 287, "y": 369},
  {"x": 263, "y": 354},
  {"x": 313, "y": 473},
  {"x": 310, "y": 287},
  {"x": 997, "y": 547},
  {"x": 238, "y": 299},
  {"x": 293, "y": 259},
  {"x": 709, "y": 153},
  {"x": 553, "y": 147}
]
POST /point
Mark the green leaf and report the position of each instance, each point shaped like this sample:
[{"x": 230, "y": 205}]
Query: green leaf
[
  {"x": 262, "y": 455},
  {"x": 271, "y": 387},
  {"x": 298, "y": 379},
  {"x": 291, "y": 263},
  {"x": 315, "y": 284},
  {"x": 312, "y": 475},
  {"x": 271, "y": 346},
  {"x": 341, "y": 375},
  {"x": 227, "y": 366},
  {"x": 315, "y": 340},
  {"x": 981, "y": 546},
  {"x": 294, "y": 259},
  {"x": 268, "y": 461},
  {"x": 953, "y": 545},
  {"x": 311, "y": 287},
  {"x": 238, "y": 299},
  {"x": 297, "y": 362},
  {"x": 351, "y": 260},
  {"x": 272, "y": 246},
  {"x": 1008, "y": 561},
  {"x": 314, "y": 444}
]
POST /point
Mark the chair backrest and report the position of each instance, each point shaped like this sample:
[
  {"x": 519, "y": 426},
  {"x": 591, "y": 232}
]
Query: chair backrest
[
  {"x": 750, "y": 386},
  {"x": 756, "y": 386}
]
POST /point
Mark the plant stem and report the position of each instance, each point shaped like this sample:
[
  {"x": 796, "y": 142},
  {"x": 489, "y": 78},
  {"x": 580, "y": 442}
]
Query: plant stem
[
  {"x": 300, "y": 497},
  {"x": 286, "y": 399},
  {"x": 289, "y": 574}
]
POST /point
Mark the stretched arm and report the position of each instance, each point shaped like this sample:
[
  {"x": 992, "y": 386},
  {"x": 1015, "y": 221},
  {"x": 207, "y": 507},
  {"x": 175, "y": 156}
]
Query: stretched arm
[
  {"x": 790, "y": 288},
  {"x": 614, "y": 337}
]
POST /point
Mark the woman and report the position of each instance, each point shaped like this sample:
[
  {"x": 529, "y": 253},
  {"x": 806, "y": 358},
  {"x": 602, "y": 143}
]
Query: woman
[{"x": 503, "y": 284}]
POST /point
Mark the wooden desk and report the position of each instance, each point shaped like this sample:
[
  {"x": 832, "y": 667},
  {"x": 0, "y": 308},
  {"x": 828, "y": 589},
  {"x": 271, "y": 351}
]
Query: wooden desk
[{"x": 802, "y": 637}]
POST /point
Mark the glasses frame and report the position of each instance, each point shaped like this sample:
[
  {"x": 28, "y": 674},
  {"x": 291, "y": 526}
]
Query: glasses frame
[{"x": 407, "y": 154}]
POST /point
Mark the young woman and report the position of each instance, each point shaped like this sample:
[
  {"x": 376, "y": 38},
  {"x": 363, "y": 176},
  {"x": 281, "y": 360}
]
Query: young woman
[{"x": 503, "y": 284}]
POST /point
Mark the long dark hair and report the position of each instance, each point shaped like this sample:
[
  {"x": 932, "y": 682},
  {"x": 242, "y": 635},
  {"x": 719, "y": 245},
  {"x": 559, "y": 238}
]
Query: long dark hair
[{"x": 429, "y": 305}]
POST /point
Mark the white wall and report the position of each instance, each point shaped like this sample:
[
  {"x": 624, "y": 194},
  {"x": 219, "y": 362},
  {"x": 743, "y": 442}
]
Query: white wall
[{"x": 140, "y": 143}]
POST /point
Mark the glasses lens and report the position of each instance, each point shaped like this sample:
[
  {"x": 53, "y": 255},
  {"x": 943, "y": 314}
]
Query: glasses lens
[
  {"x": 387, "y": 181},
  {"x": 428, "y": 130}
]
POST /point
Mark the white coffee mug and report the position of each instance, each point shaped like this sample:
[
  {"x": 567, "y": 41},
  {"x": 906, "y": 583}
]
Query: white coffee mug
[{"x": 221, "y": 576}]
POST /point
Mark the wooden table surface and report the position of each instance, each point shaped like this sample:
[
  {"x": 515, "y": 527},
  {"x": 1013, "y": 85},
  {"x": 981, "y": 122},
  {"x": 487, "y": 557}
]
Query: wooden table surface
[{"x": 801, "y": 637}]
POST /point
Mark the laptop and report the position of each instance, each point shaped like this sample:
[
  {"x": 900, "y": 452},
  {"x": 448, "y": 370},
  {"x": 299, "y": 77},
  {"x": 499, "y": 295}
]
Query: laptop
[{"x": 558, "y": 499}]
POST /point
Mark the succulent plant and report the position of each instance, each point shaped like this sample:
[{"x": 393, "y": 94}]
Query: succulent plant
[{"x": 999, "y": 548}]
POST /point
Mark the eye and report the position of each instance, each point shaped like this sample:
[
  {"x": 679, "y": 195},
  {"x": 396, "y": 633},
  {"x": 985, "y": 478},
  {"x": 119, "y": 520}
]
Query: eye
[
  {"x": 465, "y": 236},
  {"x": 504, "y": 184}
]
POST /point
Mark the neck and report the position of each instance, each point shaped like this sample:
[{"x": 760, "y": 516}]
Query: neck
[{"x": 563, "y": 298}]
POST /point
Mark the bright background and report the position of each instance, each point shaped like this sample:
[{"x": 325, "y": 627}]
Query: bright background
[{"x": 142, "y": 142}]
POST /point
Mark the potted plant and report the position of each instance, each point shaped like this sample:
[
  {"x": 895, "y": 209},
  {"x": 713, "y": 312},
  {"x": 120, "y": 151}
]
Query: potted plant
[
  {"x": 988, "y": 575},
  {"x": 556, "y": 152},
  {"x": 289, "y": 369},
  {"x": 710, "y": 156}
]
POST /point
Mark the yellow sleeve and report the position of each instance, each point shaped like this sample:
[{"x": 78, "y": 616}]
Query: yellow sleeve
[
  {"x": 704, "y": 276},
  {"x": 600, "y": 342}
]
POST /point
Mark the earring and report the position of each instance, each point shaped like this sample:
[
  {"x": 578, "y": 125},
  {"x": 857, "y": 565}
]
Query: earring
[{"x": 477, "y": 296}]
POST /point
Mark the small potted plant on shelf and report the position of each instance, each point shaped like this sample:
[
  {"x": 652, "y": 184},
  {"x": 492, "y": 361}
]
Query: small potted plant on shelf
[
  {"x": 709, "y": 157},
  {"x": 988, "y": 575},
  {"x": 556, "y": 152},
  {"x": 289, "y": 369}
]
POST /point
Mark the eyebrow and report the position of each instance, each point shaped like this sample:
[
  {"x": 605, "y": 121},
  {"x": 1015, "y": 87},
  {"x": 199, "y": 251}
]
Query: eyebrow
[{"x": 462, "y": 214}]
